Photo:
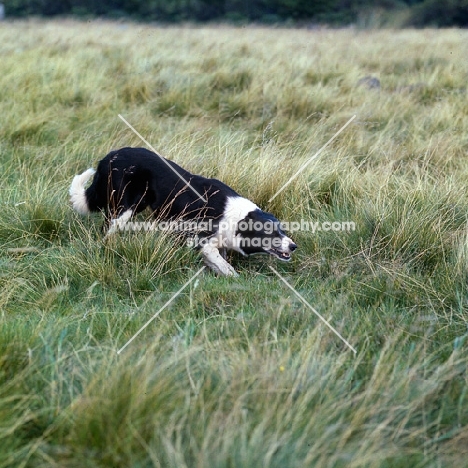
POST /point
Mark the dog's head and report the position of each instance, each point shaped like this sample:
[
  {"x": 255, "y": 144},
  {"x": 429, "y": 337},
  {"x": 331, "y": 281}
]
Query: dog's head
[{"x": 261, "y": 232}]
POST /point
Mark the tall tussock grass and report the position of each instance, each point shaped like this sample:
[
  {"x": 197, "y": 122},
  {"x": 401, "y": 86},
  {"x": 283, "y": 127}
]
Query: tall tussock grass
[
  {"x": 236, "y": 372},
  {"x": 215, "y": 403}
]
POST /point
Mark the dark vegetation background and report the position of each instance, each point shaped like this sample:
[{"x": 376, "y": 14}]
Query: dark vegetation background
[{"x": 418, "y": 13}]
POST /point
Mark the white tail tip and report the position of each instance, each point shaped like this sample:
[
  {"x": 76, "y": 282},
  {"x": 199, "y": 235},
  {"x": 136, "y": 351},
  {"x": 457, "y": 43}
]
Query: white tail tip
[{"x": 77, "y": 191}]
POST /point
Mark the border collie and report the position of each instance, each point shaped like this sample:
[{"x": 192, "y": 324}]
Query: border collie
[{"x": 129, "y": 180}]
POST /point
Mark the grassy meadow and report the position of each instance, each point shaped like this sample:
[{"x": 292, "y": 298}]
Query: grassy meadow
[{"x": 237, "y": 372}]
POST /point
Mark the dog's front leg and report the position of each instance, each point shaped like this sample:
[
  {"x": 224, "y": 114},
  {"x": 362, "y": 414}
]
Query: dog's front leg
[
  {"x": 216, "y": 262},
  {"x": 118, "y": 223}
]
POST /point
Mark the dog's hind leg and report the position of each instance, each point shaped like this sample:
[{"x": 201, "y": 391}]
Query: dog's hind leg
[
  {"x": 216, "y": 262},
  {"x": 118, "y": 223}
]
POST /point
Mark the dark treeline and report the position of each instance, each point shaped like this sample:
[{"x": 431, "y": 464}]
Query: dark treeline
[{"x": 414, "y": 12}]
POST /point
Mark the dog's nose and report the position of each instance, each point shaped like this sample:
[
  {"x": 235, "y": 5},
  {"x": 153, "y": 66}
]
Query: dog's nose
[{"x": 292, "y": 247}]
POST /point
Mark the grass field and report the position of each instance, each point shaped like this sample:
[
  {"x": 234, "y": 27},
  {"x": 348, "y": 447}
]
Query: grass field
[{"x": 237, "y": 372}]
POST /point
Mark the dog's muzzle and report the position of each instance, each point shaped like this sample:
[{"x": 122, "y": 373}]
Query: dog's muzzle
[{"x": 284, "y": 252}]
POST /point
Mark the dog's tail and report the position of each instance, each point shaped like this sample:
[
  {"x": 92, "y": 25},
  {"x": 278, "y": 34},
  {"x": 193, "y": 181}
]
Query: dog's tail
[{"x": 77, "y": 192}]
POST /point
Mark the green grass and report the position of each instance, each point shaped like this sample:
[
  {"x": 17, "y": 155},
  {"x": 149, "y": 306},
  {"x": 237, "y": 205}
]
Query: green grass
[{"x": 236, "y": 372}]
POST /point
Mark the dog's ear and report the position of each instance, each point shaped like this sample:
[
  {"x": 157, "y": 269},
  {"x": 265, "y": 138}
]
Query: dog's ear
[{"x": 252, "y": 215}]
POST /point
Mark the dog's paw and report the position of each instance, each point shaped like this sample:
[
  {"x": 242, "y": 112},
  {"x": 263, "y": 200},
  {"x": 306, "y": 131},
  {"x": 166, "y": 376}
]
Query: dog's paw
[
  {"x": 216, "y": 262},
  {"x": 222, "y": 269},
  {"x": 231, "y": 272}
]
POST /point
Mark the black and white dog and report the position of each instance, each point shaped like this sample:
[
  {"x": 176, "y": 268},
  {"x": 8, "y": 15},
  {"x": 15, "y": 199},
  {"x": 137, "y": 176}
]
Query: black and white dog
[{"x": 129, "y": 180}]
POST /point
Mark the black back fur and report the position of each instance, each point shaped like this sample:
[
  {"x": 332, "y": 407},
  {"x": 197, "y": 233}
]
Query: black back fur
[{"x": 136, "y": 178}]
